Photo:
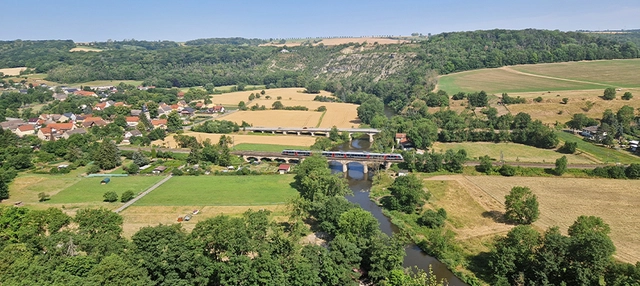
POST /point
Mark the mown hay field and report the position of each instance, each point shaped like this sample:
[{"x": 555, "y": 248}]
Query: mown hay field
[
  {"x": 276, "y": 118},
  {"x": 551, "y": 109},
  {"x": 617, "y": 73},
  {"x": 12, "y": 71},
  {"x": 339, "y": 41},
  {"x": 512, "y": 152},
  {"x": 284, "y": 140},
  {"x": 233, "y": 98},
  {"x": 562, "y": 200},
  {"x": 136, "y": 217},
  {"x": 341, "y": 115}
]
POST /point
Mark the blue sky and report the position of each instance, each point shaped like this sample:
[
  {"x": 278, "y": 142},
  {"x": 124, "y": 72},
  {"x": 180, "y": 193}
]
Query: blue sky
[{"x": 180, "y": 20}]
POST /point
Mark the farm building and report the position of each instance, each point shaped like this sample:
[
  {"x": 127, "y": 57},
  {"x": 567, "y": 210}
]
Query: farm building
[
  {"x": 284, "y": 168},
  {"x": 159, "y": 169}
]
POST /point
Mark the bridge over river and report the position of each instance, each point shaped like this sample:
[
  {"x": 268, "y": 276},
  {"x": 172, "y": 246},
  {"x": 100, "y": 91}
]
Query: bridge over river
[
  {"x": 313, "y": 131},
  {"x": 344, "y": 161}
]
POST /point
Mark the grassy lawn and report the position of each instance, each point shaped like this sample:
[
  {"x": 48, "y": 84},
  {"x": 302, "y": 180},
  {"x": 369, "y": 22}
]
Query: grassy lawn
[
  {"x": 90, "y": 189},
  {"x": 512, "y": 152},
  {"x": 222, "y": 191},
  {"x": 604, "y": 154},
  {"x": 108, "y": 82},
  {"x": 27, "y": 186},
  {"x": 266, "y": 147}
]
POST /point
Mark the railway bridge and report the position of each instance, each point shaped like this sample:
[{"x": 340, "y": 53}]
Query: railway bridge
[
  {"x": 345, "y": 162},
  {"x": 313, "y": 131}
]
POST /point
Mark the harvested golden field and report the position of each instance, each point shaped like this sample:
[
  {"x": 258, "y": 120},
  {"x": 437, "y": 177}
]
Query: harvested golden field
[
  {"x": 551, "y": 109},
  {"x": 562, "y": 200},
  {"x": 340, "y": 41},
  {"x": 136, "y": 217},
  {"x": 12, "y": 71},
  {"x": 341, "y": 115},
  {"x": 233, "y": 98},
  {"x": 85, "y": 49},
  {"x": 276, "y": 118},
  {"x": 616, "y": 73},
  {"x": 285, "y": 140},
  {"x": 512, "y": 152}
]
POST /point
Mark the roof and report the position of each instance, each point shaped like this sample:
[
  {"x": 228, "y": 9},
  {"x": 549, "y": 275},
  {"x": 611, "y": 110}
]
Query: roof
[
  {"x": 157, "y": 122},
  {"x": 133, "y": 119},
  {"x": 160, "y": 168},
  {"x": 76, "y": 131},
  {"x": 90, "y": 123},
  {"x": 135, "y": 132},
  {"x": 401, "y": 135},
  {"x": 25, "y": 128},
  {"x": 61, "y": 126},
  {"x": 591, "y": 128},
  {"x": 284, "y": 167},
  {"x": 135, "y": 112},
  {"x": 84, "y": 93}
]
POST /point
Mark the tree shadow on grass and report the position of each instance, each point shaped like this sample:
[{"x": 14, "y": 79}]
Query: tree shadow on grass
[
  {"x": 479, "y": 265},
  {"x": 496, "y": 216}
]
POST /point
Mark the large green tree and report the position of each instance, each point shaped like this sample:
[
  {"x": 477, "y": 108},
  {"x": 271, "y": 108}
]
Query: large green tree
[
  {"x": 174, "y": 123},
  {"x": 407, "y": 194},
  {"x": 107, "y": 156},
  {"x": 609, "y": 93},
  {"x": 369, "y": 109},
  {"x": 423, "y": 133},
  {"x": 521, "y": 206}
]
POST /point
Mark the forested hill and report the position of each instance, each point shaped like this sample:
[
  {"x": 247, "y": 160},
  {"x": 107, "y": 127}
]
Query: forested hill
[
  {"x": 393, "y": 69},
  {"x": 453, "y": 52}
]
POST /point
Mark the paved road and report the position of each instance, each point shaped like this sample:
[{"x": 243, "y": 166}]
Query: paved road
[{"x": 129, "y": 203}]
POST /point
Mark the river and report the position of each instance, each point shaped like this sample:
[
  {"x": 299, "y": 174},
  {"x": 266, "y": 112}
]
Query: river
[{"x": 360, "y": 185}]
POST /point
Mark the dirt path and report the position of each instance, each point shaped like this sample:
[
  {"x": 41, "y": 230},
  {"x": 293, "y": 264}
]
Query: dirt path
[
  {"x": 129, "y": 203},
  {"x": 509, "y": 69}
]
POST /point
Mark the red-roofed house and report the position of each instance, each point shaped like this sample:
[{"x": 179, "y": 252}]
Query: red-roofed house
[
  {"x": 284, "y": 168},
  {"x": 159, "y": 123},
  {"x": 101, "y": 105},
  {"x": 181, "y": 94},
  {"x": 24, "y": 130},
  {"x": 132, "y": 121},
  {"x": 54, "y": 130},
  {"x": 85, "y": 93}
]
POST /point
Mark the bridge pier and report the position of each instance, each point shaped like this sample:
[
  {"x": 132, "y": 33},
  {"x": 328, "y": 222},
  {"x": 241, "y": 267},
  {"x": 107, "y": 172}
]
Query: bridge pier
[
  {"x": 298, "y": 133},
  {"x": 345, "y": 168},
  {"x": 313, "y": 134},
  {"x": 350, "y": 137},
  {"x": 326, "y": 134},
  {"x": 370, "y": 137},
  {"x": 365, "y": 168}
]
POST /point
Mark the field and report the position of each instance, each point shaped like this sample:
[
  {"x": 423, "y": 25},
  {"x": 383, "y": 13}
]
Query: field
[
  {"x": 279, "y": 118},
  {"x": 266, "y": 147},
  {"x": 97, "y": 83},
  {"x": 600, "y": 153},
  {"x": 512, "y": 152},
  {"x": 233, "y": 98},
  {"x": 616, "y": 73},
  {"x": 26, "y": 187},
  {"x": 85, "y": 49},
  {"x": 136, "y": 217},
  {"x": 12, "y": 71},
  {"x": 284, "y": 140},
  {"x": 339, "y": 41},
  {"x": 89, "y": 190},
  {"x": 551, "y": 109},
  {"x": 499, "y": 80},
  {"x": 563, "y": 200},
  {"x": 221, "y": 191}
]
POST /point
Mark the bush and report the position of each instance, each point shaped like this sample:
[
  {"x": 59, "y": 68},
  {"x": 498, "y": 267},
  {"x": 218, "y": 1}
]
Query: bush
[
  {"x": 133, "y": 168},
  {"x": 92, "y": 169},
  {"x": 538, "y": 99},
  {"x": 609, "y": 93},
  {"x": 322, "y": 108},
  {"x": 561, "y": 165},
  {"x": 568, "y": 148},
  {"x": 486, "y": 166},
  {"x": 433, "y": 219},
  {"x": 177, "y": 172},
  {"x": 612, "y": 172},
  {"x": 110, "y": 197},
  {"x": 633, "y": 171},
  {"x": 521, "y": 206},
  {"x": 627, "y": 96},
  {"x": 127, "y": 196},
  {"x": 43, "y": 197},
  {"x": 507, "y": 170}
]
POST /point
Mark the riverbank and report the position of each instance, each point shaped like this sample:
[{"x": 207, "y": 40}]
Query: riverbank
[{"x": 459, "y": 256}]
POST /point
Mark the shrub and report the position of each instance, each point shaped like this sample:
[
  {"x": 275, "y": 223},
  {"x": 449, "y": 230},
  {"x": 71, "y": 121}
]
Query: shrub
[
  {"x": 433, "y": 219},
  {"x": 521, "y": 206},
  {"x": 133, "y": 168},
  {"x": 127, "y": 196},
  {"x": 485, "y": 165},
  {"x": 561, "y": 165},
  {"x": 568, "y": 148},
  {"x": 322, "y": 108},
  {"x": 92, "y": 169},
  {"x": 633, "y": 171},
  {"x": 538, "y": 99},
  {"x": 627, "y": 96},
  {"x": 507, "y": 170},
  {"x": 609, "y": 93},
  {"x": 43, "y": 197},
  {"x": 110, "y": 197}
]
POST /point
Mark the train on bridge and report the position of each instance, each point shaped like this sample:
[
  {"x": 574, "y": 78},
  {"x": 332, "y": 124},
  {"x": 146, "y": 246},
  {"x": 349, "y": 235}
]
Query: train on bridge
[{"x": 348, "y": 155}]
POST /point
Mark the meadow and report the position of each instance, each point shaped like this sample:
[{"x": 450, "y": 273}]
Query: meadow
[
  {"x": 562, "y": 200},
  {"x": 89, "y": 190},
  {"x": 222, "y": 191},
  {"x": 552, "y": 77},
  {"x": 600, "y": 153},
  {"x": 512, "y": 152}
]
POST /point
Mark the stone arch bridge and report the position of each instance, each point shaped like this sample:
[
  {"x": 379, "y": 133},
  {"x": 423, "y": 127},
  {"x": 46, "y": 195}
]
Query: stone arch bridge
[{"x": 345, "y": 162}]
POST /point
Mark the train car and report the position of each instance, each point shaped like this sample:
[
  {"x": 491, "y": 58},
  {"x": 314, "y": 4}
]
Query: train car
[{"x": 296, "y": 152}]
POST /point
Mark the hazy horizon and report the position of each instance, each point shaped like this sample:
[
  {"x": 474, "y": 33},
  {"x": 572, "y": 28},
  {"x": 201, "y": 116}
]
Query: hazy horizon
[{"x": 101, "y": 20}]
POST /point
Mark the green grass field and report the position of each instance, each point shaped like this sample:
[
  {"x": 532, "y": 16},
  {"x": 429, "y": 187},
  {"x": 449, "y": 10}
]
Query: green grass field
[
  {"x": 90, "y": 189},
  {"x": 108, "y": 82},
  {"x": 604, "y": 154},
  {"x": 266, "y": 147},
  {"x": 512, "y": 152},
  {"x": 222, "y": 191},
  {"x": 557, "y": 77}
]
